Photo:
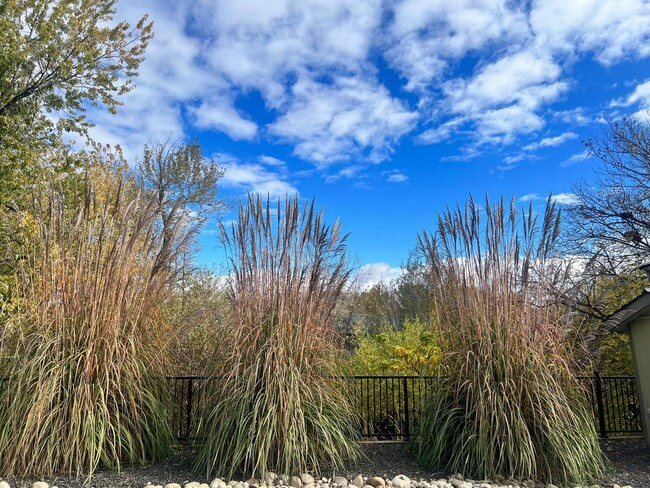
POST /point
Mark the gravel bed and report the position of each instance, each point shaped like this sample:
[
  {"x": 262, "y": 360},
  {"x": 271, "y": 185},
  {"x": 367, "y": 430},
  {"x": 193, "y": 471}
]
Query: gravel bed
[{"x": 630, "y": 459}]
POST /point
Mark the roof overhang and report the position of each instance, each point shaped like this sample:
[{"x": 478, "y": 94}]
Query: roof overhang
[{"x": 620, "y": 320}]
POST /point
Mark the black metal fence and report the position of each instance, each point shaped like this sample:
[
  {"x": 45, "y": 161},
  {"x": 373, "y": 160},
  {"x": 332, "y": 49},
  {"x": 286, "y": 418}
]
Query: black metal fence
[{"x": 389, "y": 406}]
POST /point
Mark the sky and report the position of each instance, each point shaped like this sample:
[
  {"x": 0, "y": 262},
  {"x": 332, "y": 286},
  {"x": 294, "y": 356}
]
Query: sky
[{"x": 386, "y": 112}]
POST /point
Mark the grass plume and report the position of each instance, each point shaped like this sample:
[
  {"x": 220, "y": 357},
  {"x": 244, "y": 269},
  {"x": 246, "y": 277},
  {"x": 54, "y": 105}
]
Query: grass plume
[
  {"x": 85, "y": 388},
  {"x": 271, "y": 405},
  {"x": 507, "y": 402}
]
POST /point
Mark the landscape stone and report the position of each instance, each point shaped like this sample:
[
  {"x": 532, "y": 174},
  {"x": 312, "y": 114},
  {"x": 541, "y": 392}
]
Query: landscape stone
[
  {"x": 191, "y": 484},
  {"x": 340, "y": 480},
  {"x": 401, "y": 481},
  {"x": 270, "y": 478},
  {"x": 4, "y": 484},
  {"x": 367, "y": 486},
  {"x": 306, "y": 478},
  {"x": 204, "y": 485},
  {"x": 295, "y": 482},
  {"x": 172, "y": 485},
  {"x": 376, "y": 481},
  {"x": 43, "y": 484},
  {"x": 358, "y": 481}
]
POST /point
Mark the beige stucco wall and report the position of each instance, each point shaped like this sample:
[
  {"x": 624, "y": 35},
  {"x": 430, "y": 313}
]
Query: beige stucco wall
[{"x": 640, "y": 340}]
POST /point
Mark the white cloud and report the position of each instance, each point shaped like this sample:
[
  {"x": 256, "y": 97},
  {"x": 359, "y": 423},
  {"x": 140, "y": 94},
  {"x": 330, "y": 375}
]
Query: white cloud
[
  {"x": 345, "y": 119},
  {"x": 561, "y": 198},
  {"x": 639, "y": 97},
  {"x": 373, "y": 273},
  {"x": 565, "y": 198},
  {"x": 397, "y": 177},
  {"x": 551, "y": 141},
  {"x": 504, "y": 97},
  {"x": 577, "y": 158},
  {"x": 610, "y": 30},
  {"x": 221, "y": 116},
  {"x": 426, "y": 36},
  {"x": 530, "y": 197},
  {"x": 253, "y": 177}
]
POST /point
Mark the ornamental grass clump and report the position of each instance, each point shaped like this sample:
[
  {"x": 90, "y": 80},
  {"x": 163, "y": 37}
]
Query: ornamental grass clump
[
  {"x": 507, "y": 402},
  {"x": 84, "y": 386},
  {"x": 274, "y": 404}
]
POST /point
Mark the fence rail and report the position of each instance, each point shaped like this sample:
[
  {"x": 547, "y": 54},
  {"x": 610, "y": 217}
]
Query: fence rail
[{"x": 389, "y": 406}]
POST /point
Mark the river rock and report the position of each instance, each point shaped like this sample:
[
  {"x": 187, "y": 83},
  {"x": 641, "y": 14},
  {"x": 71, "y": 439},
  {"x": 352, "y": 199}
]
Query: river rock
[
  {"x": 218, "y": 483},
  {"x": 204, "y": 485},
  {"x": 401, "y": 481},
  {"x": 43, "y": 484},
  {"x": 172, "y": 485},
  {"x": 270, "y": 478},
  {"x": 191, "y": 484},
  {"x": 376, "y": 481},
  {"x": 4, "y": 484},
  {"x": 295, "y": 482},
  {"x": 306, "y": 478},
  {"x": 358, "y": 481},
  {"x": 340, "y": 480}
]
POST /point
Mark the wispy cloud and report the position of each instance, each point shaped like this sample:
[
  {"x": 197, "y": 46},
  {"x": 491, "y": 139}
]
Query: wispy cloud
[
  {"x": 561, "y": 198},
  {"x": 373, "y": 273},
  {"x": 577, "y": 158},
  {"x": 396, "y": 177},
  {"x": 254, "y": 177},
  {"x": 551, "y": 141},
  {"x": 565, "y": 198}
]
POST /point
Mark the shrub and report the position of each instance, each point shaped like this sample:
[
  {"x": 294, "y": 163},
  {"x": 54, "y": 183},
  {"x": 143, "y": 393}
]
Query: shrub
[
  {"x": 508, "y": 403},
  {"x": 271, "y": 404},
  {"x": 85, "y": 387},
  {"x": 409, "y": 351}
]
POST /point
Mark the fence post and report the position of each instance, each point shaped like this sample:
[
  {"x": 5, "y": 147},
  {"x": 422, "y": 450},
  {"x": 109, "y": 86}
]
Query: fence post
[
  {"x": 600, "y": 404},
  {"x": 189, "y": 408},
  {"x": 407, "y": 432}
]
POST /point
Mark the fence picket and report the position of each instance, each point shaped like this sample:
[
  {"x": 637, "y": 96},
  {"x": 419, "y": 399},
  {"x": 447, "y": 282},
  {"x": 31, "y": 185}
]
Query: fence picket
[{"x": 390, "y": 409}]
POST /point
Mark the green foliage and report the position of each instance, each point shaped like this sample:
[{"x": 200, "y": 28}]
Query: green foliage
[
  {"x": 508, "y": 403},
  {"x": 57, "y": 57},
  {"x": 270, "y": 404},
  {"x": 85, "y": 383},
  {"x": 198, "y": 313},
  {"x": 409, "y": 351},
  {"x": 616, "y": 355}
]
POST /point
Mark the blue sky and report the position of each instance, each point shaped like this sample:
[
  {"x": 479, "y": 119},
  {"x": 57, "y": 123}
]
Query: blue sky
[{"x": 386, "y": 112}]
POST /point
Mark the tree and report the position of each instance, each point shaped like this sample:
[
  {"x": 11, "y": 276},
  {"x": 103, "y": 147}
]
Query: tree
[
  {"x": 611, "y": 220},
  {"x": 185, "y": 186},
  {"x": 56, "y": 57},
  {"x": 609, "y": 228}
]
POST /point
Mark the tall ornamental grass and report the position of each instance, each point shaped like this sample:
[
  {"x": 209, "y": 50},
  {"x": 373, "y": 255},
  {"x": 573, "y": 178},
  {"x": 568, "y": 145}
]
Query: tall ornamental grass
[
  {"x": 507, "y": 402},
  {"x": 84, "y": 386},
  {"x": 273, "y": 404}
]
